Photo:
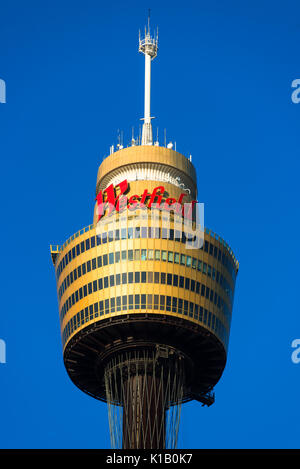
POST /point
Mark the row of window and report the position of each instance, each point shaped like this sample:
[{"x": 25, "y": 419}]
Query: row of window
[
  {"x": 144, "y": 255},
  {"x": 145, "y": 277},
  {"x": 142, "y": 302},
  {"x": 141, "y": 232}
]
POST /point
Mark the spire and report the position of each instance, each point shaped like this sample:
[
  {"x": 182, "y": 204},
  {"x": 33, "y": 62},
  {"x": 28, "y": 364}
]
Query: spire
[{"x": 148, "y": 47}]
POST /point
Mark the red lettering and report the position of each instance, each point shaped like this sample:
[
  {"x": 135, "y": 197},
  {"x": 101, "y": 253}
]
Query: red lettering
[
  {"x": 160, "y": 190},
  {"x": 132, "y": 203},
  {"x": 112, "y": 201}
]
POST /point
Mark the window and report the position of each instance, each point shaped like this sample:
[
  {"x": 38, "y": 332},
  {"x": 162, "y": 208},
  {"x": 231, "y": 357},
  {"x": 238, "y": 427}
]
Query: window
[
  {"x": 175, "y": 280},
  {"x": 124, "y": 278},
  {"x": 110, "y": 236},
  {"x": 112, "y": 305},
  {"x": 137, "y": 277},
  {"x": 137, "y": 232},
  {"x": 104, "y": 259},
  {"x": 194, "y": 263},
  {"x": 176, "y": 258},
  {"x": 92, "y": 241},
  {"x": 163, "y": 278},
  {"x": 136, "y": 254},
  {"x": 174, "y": 305},
  {"x": 130, "y": 301},
  {"x": 144, "y": 254},
  {"x": 196, "y": 314},
  {"x": 143, "y": 301},
  {"x": 150, "y": 277},
  {"x": 170, "y": 256},
  {"x": 192, "y": 285},
  {"x": 157, "y": 255},
  {"x": 169, "y": 279},
  {"x": 156, "y": 301},
  {"x": 105, "y": 282},
  {"x": 117, "y": 256},
  {"x": 162, "y": 302},
  {"x": 130, "y": 255},
  {"x": 130, "y": 277},
  {"x": 181, "y": 282},
  {"x": 187, "y": 283},
  {"x": 118, "y": 279},
  {"x": 99, "y": 261},
  {"x": 143, "y": 277},
  {"x": 137, "y": 301},
  {"x": 150, "y": 254},
  {"x": 156, "y": 277},
  {"x": 124, "y": 255},
  {"x": 111, "y": 258},
  {"x": 112, "y": 280},
  {"x": 149, "y": 301},
  {"x": 124, "y": 302},
  {"x": 168, "y": 303},
  {"x": 164, "y": 256},
  {"x": 182, "y": 259},
  {"x": 104, "y": 237}
]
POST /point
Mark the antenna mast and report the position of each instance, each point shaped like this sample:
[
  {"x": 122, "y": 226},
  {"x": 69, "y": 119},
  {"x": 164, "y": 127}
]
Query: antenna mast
[{"x": 148, "y": 47}]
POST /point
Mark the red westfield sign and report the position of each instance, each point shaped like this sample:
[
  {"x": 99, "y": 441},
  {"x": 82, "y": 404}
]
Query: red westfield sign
[{"x": 108, "y": 200}]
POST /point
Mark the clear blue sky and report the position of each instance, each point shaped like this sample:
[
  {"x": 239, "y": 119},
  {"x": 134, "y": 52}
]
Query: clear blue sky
[{"x": 222, "y": 89}]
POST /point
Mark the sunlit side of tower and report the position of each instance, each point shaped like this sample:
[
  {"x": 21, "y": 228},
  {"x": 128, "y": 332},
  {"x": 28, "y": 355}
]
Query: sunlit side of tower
[{"x": 145, "y": 293}]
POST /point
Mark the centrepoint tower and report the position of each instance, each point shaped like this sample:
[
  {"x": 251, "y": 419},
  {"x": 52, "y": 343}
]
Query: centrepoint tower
[{"x": 145, "y": 292}]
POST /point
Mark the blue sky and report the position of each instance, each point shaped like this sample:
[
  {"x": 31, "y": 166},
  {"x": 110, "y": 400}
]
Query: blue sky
[{"x": 221, "y": 86}]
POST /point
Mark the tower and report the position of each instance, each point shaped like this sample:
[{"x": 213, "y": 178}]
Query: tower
[{"x": 145, "y": 292}]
